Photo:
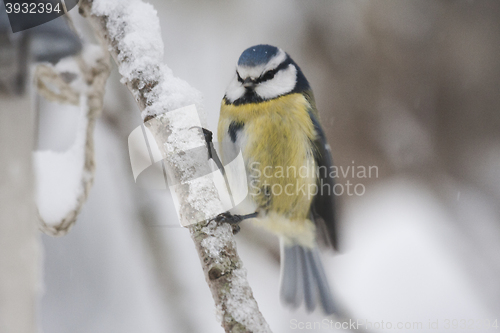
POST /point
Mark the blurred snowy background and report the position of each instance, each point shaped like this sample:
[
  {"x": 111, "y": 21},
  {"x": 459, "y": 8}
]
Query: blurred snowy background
[{"x": 412, "y": 87}]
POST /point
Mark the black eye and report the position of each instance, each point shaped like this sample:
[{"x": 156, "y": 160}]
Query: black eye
[
  {"x": 239, "y": 77},
  {"x": 267, "y": 76}
]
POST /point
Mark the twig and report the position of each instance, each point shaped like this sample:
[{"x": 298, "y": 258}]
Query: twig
[{"x": 132, "y": 43}]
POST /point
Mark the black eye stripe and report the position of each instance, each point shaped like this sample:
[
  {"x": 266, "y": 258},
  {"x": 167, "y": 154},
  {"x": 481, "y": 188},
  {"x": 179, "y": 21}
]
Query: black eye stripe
[
  {"x": 267, "y": 75},
  {"x": 239, "y": 77},
  {"x": 271, "y": 73}
]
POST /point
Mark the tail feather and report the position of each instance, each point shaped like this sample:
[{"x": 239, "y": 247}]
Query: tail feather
[
  {"x": 308, "y": 280},
  {"x": 321, "y": 281},
  {"x": 291, "y": 287},
  {"x": 303, "y": 278}
]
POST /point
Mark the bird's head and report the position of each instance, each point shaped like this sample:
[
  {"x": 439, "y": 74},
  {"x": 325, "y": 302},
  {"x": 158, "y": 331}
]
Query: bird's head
[{"x": 264, "y": 72}]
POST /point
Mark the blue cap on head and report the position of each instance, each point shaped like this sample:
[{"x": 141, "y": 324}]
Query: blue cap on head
[{"x": 257, "y": 55}]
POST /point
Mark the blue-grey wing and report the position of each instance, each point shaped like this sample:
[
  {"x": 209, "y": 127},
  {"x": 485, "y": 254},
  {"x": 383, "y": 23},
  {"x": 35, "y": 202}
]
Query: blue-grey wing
[{"x": 323, "y": 205}]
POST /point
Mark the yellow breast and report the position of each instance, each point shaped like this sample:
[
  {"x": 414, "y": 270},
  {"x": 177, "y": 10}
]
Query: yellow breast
[{"x": 277, "y": 152}]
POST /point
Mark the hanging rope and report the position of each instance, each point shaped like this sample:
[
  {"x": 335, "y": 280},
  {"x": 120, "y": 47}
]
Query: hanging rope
[{"x": 54, "y": 86}]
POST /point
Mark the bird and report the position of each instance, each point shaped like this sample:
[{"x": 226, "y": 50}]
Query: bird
[{"x": 268, "y": 113}]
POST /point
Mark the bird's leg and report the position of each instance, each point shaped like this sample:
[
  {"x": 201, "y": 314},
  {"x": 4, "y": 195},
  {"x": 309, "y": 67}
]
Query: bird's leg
[
  {"x": 208, "y": 139},
  {"x": 234, "y": 220},
  {"x": 224, "y": 217},
  {"x": 212, "y": 153},
  {"x": 227, "y": 217}
]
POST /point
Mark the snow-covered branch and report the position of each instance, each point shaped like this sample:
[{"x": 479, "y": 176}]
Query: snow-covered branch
[{"x": 130, "y": 29}]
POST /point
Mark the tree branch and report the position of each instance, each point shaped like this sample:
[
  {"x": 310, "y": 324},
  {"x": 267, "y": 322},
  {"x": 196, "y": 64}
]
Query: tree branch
[{"x": 130, "y": 29}]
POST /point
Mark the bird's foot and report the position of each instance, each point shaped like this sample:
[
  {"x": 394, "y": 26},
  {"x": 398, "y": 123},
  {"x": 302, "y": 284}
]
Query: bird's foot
[
  {"x": 233, "y": 220},
  {"x": 208, "y": 135},
  {"x": 236, "y": 228},
  {"x": 227, "y": 217}
]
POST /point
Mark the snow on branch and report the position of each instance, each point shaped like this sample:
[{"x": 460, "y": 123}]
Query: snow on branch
[{"x": 131, "y": 31}]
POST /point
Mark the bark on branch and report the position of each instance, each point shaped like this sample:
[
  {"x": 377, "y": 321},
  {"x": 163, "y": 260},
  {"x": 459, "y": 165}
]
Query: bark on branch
[{"x": 128, "y": 28}]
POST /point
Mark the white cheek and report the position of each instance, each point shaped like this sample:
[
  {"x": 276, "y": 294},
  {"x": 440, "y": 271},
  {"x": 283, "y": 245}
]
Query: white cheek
[
  {"x": 235, "y": 90},
  {"x": 282, "y": 83}
]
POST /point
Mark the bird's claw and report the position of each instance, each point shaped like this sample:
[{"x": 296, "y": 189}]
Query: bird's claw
[
  {"x": 236, "y": 228},
  {"x": 233, "y": 220},
  {"x": 228, "y": 218},
  {"x": 208, "y": 135}
]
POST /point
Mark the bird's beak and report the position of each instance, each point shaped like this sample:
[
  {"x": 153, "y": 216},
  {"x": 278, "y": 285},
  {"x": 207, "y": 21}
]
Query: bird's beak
[{"x": 248, "y": 83}]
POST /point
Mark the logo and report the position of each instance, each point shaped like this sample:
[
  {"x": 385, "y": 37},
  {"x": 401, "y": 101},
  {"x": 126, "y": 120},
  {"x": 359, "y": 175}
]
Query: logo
[
  {"x": 150, "y": 171},
  {"x": 25, "y": 14}
]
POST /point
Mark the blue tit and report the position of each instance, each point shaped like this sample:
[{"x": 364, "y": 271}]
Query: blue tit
[{"x": 269, "y": 114}]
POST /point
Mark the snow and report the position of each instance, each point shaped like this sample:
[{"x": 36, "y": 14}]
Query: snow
[
  {"x": 139, "y": 41},
  {"x": 92, "y": 53},
  {"x": 204, "y": 198},
  {"x": 100, "y": 277},
  {"x": 141, "y": 55},
  {"x": 59, "y": 175},
  {"x": 219, "y": 237},
  {"x": 140, "y": 46},
  {"x": 134, "y": 27},
  {"x": 239, "y": 301},
  {"x": 399, "y": 262},
  {"x": 241, "y": 306},
  {"x": 177, "y": 132},
  {"x": 172, "y": 93}
]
